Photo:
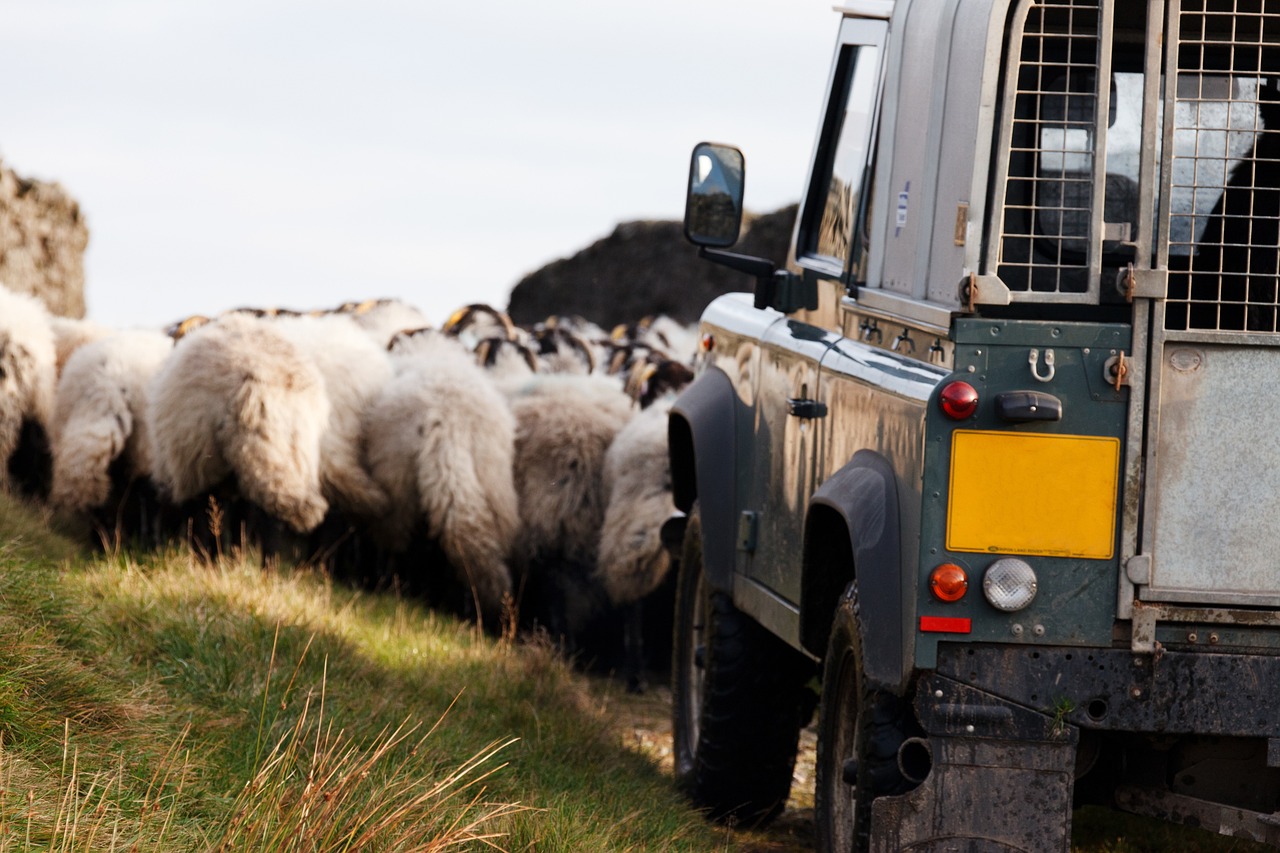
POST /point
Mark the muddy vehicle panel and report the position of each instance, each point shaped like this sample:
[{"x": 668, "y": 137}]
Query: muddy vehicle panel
[{"x": 992, "y": 456}]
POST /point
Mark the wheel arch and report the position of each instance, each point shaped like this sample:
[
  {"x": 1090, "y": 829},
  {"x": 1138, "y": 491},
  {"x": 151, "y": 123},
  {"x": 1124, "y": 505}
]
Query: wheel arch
[
  {"x": 701, "y": 431},
  {"x": 852, "y": 532}
]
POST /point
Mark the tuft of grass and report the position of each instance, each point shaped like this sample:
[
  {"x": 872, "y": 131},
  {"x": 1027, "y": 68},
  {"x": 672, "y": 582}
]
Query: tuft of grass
[
  {"x": 319, "y": 791},
  {"x": 144, "y": 705}
]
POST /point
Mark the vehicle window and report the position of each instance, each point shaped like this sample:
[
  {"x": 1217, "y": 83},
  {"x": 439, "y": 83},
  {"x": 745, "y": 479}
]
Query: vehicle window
[{"x": 835, "y": 195}]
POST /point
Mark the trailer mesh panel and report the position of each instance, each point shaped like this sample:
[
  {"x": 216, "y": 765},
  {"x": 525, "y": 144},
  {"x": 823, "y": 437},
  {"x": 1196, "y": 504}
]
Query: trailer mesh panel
[
  {"x": 1049, "y": 192},
  {"x": 1224, "y": 220}
]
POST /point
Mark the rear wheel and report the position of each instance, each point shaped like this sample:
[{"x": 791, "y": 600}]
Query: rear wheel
[
  {"x": 738, "y": 700},
  {"x": 859, "y": 732}
]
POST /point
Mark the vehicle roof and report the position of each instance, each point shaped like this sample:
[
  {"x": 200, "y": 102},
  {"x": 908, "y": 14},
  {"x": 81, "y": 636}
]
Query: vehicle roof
[{"x": 866, "y": 8}]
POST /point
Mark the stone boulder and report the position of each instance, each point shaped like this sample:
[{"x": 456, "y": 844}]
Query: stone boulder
[
  {"x": 43, "y": 237},
  {"x": 643, "y": 268}
]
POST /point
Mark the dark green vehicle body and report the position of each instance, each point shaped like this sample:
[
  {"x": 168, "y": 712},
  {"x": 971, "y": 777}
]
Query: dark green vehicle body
[{"x": 1072, "y": 207}]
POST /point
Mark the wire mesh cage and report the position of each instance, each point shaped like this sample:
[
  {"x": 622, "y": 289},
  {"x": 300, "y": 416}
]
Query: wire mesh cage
[
  {"x": 1049, "y": 193},
  {"x": 1224, "y": 172}
]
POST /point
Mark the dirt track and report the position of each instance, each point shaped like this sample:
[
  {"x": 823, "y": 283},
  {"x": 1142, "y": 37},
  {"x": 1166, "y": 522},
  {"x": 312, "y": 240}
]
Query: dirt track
[{"x": 644, "y": 723}]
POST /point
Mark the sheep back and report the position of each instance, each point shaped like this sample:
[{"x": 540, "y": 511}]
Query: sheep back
[
  {"x": 27, "y": 370},
  {"x": 100, "y": 415},
  {"x": 564, "y": 426},
  {"x": 637, "y": 475},
  {"x": 440, "y": 440},
  {"x": 355, "y": 369},
  {"x": 237, "y": 397}
]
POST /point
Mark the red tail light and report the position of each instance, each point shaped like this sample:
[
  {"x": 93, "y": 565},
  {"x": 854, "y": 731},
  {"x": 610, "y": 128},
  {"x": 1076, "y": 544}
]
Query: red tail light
[{"x": 958, "y": 400}]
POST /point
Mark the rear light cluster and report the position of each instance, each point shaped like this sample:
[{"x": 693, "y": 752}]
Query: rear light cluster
[{"x": 1009, "y": 584}]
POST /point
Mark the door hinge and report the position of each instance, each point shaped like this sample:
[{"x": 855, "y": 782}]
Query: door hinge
[{"x": 1138, "y": 569}]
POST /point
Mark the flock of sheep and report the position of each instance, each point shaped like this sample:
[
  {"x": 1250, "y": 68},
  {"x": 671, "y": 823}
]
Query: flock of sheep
[{"x": 504, "y": 470}]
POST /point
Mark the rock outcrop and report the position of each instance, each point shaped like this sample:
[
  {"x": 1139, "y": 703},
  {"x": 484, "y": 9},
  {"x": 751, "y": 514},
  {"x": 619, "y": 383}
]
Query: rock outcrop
[
  {"x": 645, "y": 268},
  {"x": 43, "y": 237}
]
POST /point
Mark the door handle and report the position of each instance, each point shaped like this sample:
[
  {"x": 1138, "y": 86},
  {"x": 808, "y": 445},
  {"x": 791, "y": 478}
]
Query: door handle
[{"x": 800, "y": 407}]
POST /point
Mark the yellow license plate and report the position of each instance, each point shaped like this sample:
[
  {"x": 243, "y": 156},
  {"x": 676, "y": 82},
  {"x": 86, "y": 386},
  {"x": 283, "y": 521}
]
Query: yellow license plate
[{"x": 1035, "y": 494}]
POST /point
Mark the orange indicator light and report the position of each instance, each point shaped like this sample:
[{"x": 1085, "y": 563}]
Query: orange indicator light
[{"x": 948, "y": 582}]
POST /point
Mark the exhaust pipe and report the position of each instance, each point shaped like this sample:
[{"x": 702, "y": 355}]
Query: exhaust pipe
[{"x": 915, "y": 759}]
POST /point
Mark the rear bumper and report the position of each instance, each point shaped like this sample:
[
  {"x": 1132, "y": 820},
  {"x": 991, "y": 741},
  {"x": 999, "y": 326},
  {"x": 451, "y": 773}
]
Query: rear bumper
[
  {"x": 1004, "y": 727},
  {"x": 1231, "y": 695}
]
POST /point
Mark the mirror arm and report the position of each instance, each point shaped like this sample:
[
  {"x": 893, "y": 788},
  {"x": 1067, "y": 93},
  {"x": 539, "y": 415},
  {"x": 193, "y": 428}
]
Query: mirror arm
[
  {"x": 758, "y": 267},
  {"x": 762, "y": 269}
]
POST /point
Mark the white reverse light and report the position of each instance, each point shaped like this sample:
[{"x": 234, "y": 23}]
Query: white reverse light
[{"x": 1009, "y": 584}]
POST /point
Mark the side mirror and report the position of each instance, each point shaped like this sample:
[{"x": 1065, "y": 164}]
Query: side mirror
[{"x": 713, "y": 206}]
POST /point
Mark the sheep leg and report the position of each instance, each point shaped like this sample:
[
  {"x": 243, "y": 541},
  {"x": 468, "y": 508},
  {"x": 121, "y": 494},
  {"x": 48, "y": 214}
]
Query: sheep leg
[{"x": 633, "y": 646}]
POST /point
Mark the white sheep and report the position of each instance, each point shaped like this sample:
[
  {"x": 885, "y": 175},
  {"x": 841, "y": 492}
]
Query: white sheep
[
  {"x": 69, "y": 334},
  {"x": 634, "y": 566},
  {"x": 440, "y": 441},
  {"x": 565, "y": 424},
  {"x": 100, "y": 416},
  {"x": 505, "y": 359},
  {"x": 28, "y": 374},
  {"x": 473, "y": 323},
  {"x": 103, "y": 456},
  {"x": 381, "y": 319},
  {"x": 637, "y": 479},
  {"x": 354, "y": 369},
  {"x": 661, "y": 333},
  {"x": 237, "y": 397},
  {"x": 564, "y": 351}
]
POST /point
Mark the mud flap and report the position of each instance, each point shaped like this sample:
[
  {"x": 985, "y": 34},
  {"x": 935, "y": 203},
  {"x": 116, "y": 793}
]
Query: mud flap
[{"x": 1000, "y": 779}]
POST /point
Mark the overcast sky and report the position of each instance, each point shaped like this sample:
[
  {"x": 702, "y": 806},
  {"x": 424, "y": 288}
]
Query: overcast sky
[{"x": 280, "y": 152}]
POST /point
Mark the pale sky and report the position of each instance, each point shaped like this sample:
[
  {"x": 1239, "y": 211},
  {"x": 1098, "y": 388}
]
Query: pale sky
[{"x": 302, "y": 154}]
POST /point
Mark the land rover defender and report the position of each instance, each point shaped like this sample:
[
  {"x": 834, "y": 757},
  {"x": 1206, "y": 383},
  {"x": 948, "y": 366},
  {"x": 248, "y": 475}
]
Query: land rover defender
[{"x": 993, "y": 459}]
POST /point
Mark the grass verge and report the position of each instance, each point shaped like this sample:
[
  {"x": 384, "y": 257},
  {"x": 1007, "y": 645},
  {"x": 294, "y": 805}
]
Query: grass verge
[{"x": 159, "y": 703}]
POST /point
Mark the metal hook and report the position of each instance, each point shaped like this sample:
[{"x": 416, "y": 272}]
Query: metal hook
[{"x": 1033, "y": 358}]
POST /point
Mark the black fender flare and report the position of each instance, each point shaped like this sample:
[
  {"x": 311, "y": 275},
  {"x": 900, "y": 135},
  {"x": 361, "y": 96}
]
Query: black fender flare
[
  {"x": 852, "y": 532},
  {"x": 701, "y": 433}
]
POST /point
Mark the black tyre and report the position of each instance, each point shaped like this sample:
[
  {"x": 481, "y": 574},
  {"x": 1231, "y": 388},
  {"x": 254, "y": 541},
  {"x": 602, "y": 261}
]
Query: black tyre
[
  {"x": 739, "y": 700},
  {"x": 859, "y": 732}
]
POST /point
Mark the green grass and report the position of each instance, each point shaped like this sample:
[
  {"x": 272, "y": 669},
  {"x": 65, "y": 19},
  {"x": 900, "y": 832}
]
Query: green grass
[{"x": 160, "y": 703}]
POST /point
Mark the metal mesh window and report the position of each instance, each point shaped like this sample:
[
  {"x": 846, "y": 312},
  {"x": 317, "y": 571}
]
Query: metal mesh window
[
  {"x": 1224, "y": 214},
  {"x": 1048, "y": 200}
]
